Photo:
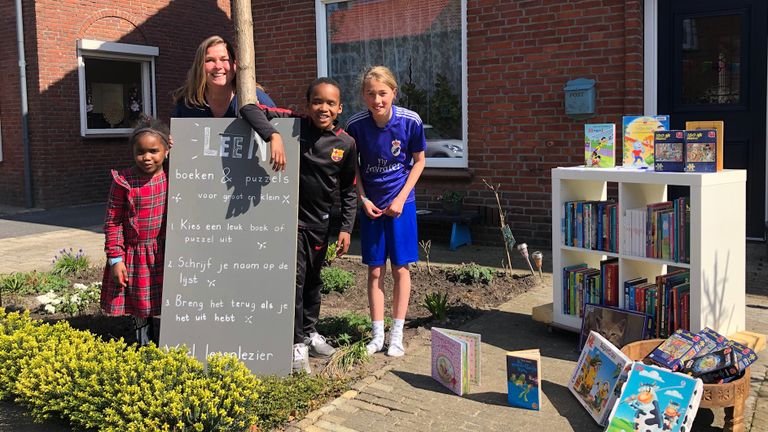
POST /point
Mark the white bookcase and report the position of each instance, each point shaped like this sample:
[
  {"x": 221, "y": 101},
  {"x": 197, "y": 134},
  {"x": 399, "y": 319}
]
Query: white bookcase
[{"x": 717, "y": 247}]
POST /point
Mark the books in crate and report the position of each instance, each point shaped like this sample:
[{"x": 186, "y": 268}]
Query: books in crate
[
  {"x": 659, "y": 230},
  {"x": 591, "y": 225}
]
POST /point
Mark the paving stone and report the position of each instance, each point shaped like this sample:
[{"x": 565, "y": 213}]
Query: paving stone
[
  {"x": 330, "y": 418},
  {"x": 328, "y": 408},
  {"x": 369, "y": 407},
  {"x": 348, "y": 408},
  {"x": 314, "y": 415},
  {"x": 349, "y": 394},
  {"x": 304, "y": 423},
  {"x": 393, "y": 396},
  {"x": 381, "y": 386},
  {"x": 333, "y": 426},
  {"x": 388, "y": 403},
  {"x": 313, "y": 428}
]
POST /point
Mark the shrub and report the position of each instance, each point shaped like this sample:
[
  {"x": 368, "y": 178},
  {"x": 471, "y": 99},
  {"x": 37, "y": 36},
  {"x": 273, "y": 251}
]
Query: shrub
[
  {"x": 437, "y": 304},
  {"x": 470, "y": 274},
  {"x": 57, "y": 371},
  {"x": 284, "y": 398},
  {"x": 336, "y": 279},
  {"x": 70, "y": 263}
]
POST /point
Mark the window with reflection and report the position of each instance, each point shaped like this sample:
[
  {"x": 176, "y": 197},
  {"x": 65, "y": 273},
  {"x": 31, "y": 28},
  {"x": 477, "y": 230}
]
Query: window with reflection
[{"x": 711, "y": 60}]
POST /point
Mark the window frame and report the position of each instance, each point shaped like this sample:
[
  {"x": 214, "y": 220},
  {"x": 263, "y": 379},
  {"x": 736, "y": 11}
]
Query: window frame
[
  {"x": 322, "y": 70},
  {"x": 143, "y": 54}
]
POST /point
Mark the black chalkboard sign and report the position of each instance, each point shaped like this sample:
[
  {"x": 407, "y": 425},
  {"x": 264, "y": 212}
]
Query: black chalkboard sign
[{"x": 230, "y": 256}]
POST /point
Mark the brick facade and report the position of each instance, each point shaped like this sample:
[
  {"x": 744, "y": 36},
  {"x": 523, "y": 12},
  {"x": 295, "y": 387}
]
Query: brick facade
[{"x": 520, "y": 55}]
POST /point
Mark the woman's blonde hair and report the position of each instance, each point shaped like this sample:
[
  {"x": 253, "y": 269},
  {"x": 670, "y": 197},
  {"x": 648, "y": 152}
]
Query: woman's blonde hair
[
  {"x": 381, "y": 74},
  {"x": 193, "y": 90}
]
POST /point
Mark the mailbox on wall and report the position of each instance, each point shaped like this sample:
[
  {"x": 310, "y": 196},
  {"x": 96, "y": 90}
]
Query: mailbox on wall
[{"x": 580, "y": 98}]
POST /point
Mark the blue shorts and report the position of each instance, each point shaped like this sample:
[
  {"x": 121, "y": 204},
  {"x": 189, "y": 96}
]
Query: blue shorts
[{"x": 385, "y": 236}]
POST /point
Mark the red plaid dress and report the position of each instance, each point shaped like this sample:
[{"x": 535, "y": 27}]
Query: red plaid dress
[{"x": 135, "y": 230}]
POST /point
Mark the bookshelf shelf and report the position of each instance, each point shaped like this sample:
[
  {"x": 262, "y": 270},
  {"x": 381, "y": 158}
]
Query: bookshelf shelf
[{"x": 717, "y": 238}]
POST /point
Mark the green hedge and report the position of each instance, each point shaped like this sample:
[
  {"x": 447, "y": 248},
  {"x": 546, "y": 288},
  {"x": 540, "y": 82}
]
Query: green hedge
[{"x": 57, "y": 371}]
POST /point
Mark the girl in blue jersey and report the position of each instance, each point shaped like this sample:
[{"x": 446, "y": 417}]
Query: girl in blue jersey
[{"x": 390, "y": 144}]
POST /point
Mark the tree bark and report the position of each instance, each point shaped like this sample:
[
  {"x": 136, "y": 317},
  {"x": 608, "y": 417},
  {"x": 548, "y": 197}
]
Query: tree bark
[{"x": 246, "y": 70}]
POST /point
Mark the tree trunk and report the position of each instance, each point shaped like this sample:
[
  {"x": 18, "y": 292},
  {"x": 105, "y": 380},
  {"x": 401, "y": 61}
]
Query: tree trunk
[{"x": 246, "y": 71}]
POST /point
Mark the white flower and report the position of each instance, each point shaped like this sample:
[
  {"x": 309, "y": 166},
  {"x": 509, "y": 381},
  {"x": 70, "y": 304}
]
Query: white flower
[
  {"x": 80, "y": 286},
  {"x": 47, "y": 298},
  {"x": 50, "y": 308},
  {"x": 56, "y": 301},
  {"x": 75, "y": 299}
]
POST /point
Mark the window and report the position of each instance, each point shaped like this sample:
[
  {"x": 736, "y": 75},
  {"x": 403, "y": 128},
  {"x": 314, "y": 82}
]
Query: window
[
  {"x": 117, "y": 85},
  {"x": 423, "y": 43}
]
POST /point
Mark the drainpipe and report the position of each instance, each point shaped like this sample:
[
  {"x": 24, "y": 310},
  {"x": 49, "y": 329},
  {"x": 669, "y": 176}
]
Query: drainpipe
[{"x": 24, "y": 107}]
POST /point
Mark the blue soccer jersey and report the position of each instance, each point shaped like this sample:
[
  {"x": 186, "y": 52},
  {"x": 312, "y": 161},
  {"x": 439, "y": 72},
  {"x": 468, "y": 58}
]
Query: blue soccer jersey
[{"x": 386, "y": 153}]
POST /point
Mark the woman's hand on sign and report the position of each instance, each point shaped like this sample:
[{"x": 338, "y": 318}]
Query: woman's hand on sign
[
  {"x": 119, "y": 274},
  {"x": 277, "y": 156}
]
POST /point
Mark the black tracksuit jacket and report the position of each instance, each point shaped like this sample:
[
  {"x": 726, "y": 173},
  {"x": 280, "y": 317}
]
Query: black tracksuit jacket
[{"x": 327, "y": 162}]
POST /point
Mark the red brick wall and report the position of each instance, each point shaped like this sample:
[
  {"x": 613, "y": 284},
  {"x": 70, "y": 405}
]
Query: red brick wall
[
  {"x": 11, "y": 167},
  {"x": 69, "y": 169}
]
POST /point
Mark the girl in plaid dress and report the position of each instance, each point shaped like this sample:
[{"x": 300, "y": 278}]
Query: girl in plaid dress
[{"x": 135, "y": 231}]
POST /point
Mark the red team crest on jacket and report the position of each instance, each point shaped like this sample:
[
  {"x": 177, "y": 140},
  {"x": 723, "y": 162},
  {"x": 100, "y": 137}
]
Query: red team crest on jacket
[{"x": 337, "y": 155}]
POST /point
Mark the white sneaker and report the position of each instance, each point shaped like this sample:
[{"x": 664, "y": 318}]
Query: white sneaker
[
  {"x": 300, "y": 358},
  {"x": 318, "y": 347}
]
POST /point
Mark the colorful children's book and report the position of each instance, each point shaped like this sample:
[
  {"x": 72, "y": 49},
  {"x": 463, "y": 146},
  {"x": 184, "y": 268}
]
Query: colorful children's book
[
  {"x": 524, "y": 379},
  {"x": 655, "y": 399},
  {"x": 701, "y": 150},
  {"x": 638, "y": 139},
  {"x": 669, "y": 150},
  {"x": 599, "y": 373},
  {"x": 676, "y": 349},
  {"x": 600, "y": 145},
  {"x": 744, "y": 355},
  {"x": 455, "y": 359},
  {"x": 719, "y": 126}
]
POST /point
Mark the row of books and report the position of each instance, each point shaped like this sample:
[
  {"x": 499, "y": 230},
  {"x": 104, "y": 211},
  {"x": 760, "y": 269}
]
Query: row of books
[
  {"x": 649, "y": 144},
  {"x": 666, "y": 301},
  {"x": 582, "y": 285},
  {"x": 660, "y": 230},
  {"x": 591, "y": 225}
]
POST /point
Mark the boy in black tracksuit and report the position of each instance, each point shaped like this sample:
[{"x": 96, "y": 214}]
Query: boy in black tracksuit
[{"x": 327, "y": 162}]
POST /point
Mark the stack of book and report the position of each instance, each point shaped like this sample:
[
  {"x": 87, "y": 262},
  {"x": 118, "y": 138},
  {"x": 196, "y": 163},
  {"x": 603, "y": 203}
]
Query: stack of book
[
  {"x": 706, "y": 355},
  {"x": 591, "y": 225},
  {"x": 659, "y": 230}
]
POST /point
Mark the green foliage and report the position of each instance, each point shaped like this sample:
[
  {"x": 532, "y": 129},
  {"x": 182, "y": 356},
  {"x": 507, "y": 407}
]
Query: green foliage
[
  {"x": 471, "y": 274},
  {"x": 31, "y": 282},
  {"x": 70, "y": 263},
  {"x": 336, "y": 279},
  {"x": 330, "y": 253},
  {"x": 444, "y": 109},
  {"x": 57, "y": 371},
  {"x": 452, "y": 196},
  {"x": 348, "y": 327},
  {"x": 437, "y": 304},
  {"x": 293, "y": 396}
]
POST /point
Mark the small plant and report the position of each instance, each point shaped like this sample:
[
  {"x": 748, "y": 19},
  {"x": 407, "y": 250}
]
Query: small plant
[
  {"x": 348, "y": 327},
  {"x": 470, "y": 274},
  {"x": 336, "y": 279},
  {"x": 452, "y": 197},
  {"x": 73, "y": 300},
  {"x": 437, "y": 304},
  {"x": 331, "y": 253},
  {"x": 426, "y": 246},
  {"x": 345, "y": 357},
  {"x": 70, "y": 263},
  {"x": 31, "y": 282}
]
